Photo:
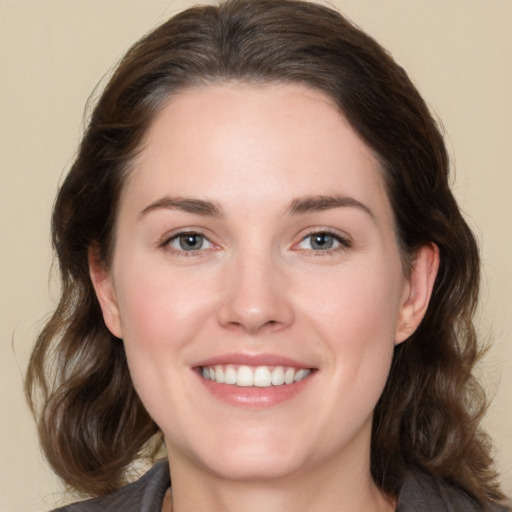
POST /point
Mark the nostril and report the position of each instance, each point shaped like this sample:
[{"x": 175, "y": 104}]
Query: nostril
[{"x": 254, "y": 311}]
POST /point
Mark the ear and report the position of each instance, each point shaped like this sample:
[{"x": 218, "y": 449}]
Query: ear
[
  {"x": 418, "y": 291},
  {"x": 103, "y": 284}
]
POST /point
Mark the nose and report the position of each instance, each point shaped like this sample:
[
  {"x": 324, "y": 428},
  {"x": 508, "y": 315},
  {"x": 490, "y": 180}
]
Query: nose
[{"x": 255, "y": 297}]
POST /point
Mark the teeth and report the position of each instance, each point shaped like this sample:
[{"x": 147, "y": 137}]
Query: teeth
[
  {"x": 262, "y": 377},
  {"x": 301, "y": 374},
  {"x": 230, "y": 375},
  {"x": 277, "y": 376},
  {"x": 244, "y": 376},
  {"x": 219, "y": 374},
  {"x": 289, "y": 376},
  {"x": 250, "y": 376}
]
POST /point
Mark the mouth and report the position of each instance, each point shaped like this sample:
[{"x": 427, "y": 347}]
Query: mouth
[
  {"x": 256, "y": 381},
  {"x": 245, "y": 376}
]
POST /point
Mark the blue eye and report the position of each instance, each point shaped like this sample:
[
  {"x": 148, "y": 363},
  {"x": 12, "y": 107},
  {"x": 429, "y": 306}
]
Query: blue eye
[
  {"x": 322, "y": 241},
  {"x": 189, "y": 242}
]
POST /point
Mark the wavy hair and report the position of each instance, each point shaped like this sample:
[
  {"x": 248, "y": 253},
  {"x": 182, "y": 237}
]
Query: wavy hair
[{"x": 91, "y": 422}]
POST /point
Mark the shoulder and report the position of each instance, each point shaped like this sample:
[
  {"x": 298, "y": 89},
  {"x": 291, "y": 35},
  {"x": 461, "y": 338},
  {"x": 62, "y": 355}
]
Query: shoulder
[
  {"x": 423, "y": 493},
  {"x": 144, "y": 495}
]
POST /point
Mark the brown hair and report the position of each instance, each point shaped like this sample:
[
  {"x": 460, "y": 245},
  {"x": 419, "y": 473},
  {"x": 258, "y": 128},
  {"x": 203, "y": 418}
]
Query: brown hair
[{"x": 91, "y": 421}]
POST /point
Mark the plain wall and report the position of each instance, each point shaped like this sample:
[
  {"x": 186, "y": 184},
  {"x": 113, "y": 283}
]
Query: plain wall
[{"x": 53, "y": 53}]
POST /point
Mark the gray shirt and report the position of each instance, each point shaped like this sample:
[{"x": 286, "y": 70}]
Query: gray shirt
[{"x": 420, "y": 493}]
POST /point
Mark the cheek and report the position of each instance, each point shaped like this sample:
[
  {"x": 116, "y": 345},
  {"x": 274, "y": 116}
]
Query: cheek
[
  {"x": 160, "y": 306},
  {"x": 355, "y": 304},
  {"x": 161, "y": 315},
  {"x": 356, "y": 313},
  {"x": 351, "y": 314}
]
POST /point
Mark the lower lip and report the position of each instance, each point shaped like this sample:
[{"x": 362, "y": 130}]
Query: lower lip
[{"x": 255, "y": 397}]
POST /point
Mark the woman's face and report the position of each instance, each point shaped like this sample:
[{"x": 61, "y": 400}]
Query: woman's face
[{"x": 255, "y": 244}]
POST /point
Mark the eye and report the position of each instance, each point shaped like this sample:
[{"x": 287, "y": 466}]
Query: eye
[
  {"x": 323, "y": 241},
  {"x": 189, "y": 242}
]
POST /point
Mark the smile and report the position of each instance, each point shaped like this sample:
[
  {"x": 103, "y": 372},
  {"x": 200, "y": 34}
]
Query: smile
[{"x": 254, "y": 376}]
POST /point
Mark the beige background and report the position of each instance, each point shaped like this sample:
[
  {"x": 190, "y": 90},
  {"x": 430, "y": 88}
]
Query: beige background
[{"x": 54, "y": 52}]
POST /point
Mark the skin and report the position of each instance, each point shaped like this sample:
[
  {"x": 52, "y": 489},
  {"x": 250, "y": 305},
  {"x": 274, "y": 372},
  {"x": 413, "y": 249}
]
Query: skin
[{"x": 254, "y": 285}]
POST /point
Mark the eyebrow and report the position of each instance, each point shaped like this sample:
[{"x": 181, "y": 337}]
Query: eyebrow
[
  {"x": 309, "y": 204},
  {"x": 302, "y": 205},
  {"x": 189, "y": 205}
]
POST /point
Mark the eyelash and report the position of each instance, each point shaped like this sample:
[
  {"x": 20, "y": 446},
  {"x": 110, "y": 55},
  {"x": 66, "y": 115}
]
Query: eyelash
[
  {"x": 166, "y": 244},
  {"x": 344, "y": 243}
]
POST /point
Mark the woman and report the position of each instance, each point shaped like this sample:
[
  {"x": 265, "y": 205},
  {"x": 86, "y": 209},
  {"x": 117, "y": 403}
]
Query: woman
[{"x": 263, "y": 265}]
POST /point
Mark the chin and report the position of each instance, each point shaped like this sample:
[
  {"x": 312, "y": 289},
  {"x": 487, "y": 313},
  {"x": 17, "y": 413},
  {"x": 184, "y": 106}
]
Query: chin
[
  {"x": 267, "y": 456},
  {"x": 254, "y": 467}
]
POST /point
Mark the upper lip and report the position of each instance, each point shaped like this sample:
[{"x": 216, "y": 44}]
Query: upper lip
[{"x": 265, "y": 359}]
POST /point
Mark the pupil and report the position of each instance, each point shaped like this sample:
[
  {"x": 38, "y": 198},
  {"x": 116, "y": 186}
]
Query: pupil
[
  {"x": 188, "y": 242},
  {"x": 322, "y": 241}
]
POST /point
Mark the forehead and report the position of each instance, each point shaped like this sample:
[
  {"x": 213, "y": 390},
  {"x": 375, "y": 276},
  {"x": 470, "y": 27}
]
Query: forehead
[{"x": 253, "y": 143}]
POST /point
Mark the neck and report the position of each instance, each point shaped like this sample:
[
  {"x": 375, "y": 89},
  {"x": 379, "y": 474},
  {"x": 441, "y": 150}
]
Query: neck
[{"x": 315, "y": 490}]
